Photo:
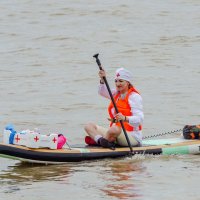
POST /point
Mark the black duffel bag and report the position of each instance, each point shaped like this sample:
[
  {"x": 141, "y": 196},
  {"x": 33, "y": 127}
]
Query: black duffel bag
[{"x": 191, "y": 132}]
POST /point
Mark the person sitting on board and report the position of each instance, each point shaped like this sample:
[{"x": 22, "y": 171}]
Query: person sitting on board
[{"x": 130, "y": 107}]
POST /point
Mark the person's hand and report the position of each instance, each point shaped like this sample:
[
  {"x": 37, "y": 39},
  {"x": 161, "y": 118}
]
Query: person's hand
[
  {"x": 119, "y": 117},
  {"x": 102, "y": 74}
]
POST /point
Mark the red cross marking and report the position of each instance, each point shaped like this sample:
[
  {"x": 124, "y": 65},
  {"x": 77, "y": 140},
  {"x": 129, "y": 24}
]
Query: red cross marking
[
  {"x": 36, "y": 138},
  {"x": 118, "y": 75},
  {"x": 17, "y": 138},
  {"x": 54, "y": 140}
]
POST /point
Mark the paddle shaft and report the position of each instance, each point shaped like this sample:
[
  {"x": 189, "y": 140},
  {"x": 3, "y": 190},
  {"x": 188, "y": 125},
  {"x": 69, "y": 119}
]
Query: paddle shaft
[{"x": 113, "y": 101}]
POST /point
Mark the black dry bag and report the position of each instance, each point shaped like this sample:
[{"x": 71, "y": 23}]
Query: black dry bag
[{"x": 191, "y": 132}]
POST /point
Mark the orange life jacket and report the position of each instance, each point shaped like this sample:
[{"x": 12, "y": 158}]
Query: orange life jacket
[{"x": 124, "y": 108}]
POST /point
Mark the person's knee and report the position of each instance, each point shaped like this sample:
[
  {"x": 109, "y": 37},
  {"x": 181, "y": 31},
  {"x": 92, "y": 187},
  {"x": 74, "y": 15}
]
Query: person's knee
[
  {"x": 89, "y": 126},
  {"x": 118, "y": 129},
  {"x": 113, "y": 133},
  {"x": 114, "y": 130}
]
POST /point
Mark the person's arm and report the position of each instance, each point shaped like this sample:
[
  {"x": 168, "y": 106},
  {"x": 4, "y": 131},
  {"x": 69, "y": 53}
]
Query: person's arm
[
  {"x": 103, "y": 91},
  {"x": 135, "y": 101}
]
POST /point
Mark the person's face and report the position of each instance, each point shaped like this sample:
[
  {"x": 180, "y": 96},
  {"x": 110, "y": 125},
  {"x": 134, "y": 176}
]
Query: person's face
[{"x": 121, "y": 85}]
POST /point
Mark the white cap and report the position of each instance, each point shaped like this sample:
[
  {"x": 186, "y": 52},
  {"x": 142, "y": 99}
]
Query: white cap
[{"x": 123, "y": 74}]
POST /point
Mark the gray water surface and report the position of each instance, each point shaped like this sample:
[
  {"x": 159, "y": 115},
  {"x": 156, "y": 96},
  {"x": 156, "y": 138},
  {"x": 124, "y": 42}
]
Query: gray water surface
[{"x": 48, "y": 79}]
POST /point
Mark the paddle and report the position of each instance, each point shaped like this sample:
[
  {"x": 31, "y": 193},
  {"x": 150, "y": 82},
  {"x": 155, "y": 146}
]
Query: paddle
[{"x": 113, "y": 101}]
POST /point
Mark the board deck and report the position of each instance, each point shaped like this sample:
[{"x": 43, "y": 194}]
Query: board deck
[
  {"x": 164, "y": 141},
  {"x": 81, "y": 152}
]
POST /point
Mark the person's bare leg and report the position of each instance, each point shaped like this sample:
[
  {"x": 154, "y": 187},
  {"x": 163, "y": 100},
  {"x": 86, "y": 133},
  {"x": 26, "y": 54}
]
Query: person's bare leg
[
  {"x": 92, "y": 131},
  {"x": 105, "y": 141},
  {"x": 113, "y": 133}
]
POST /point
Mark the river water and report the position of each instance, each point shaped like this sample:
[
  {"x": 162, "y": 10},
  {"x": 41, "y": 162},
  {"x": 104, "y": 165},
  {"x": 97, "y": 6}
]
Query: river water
[{"x": 48, "y": 79}]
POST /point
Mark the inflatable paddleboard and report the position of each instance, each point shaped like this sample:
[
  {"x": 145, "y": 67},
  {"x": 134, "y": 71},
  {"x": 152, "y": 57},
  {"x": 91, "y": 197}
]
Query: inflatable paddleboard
[{"x": 79, "y": 153}]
